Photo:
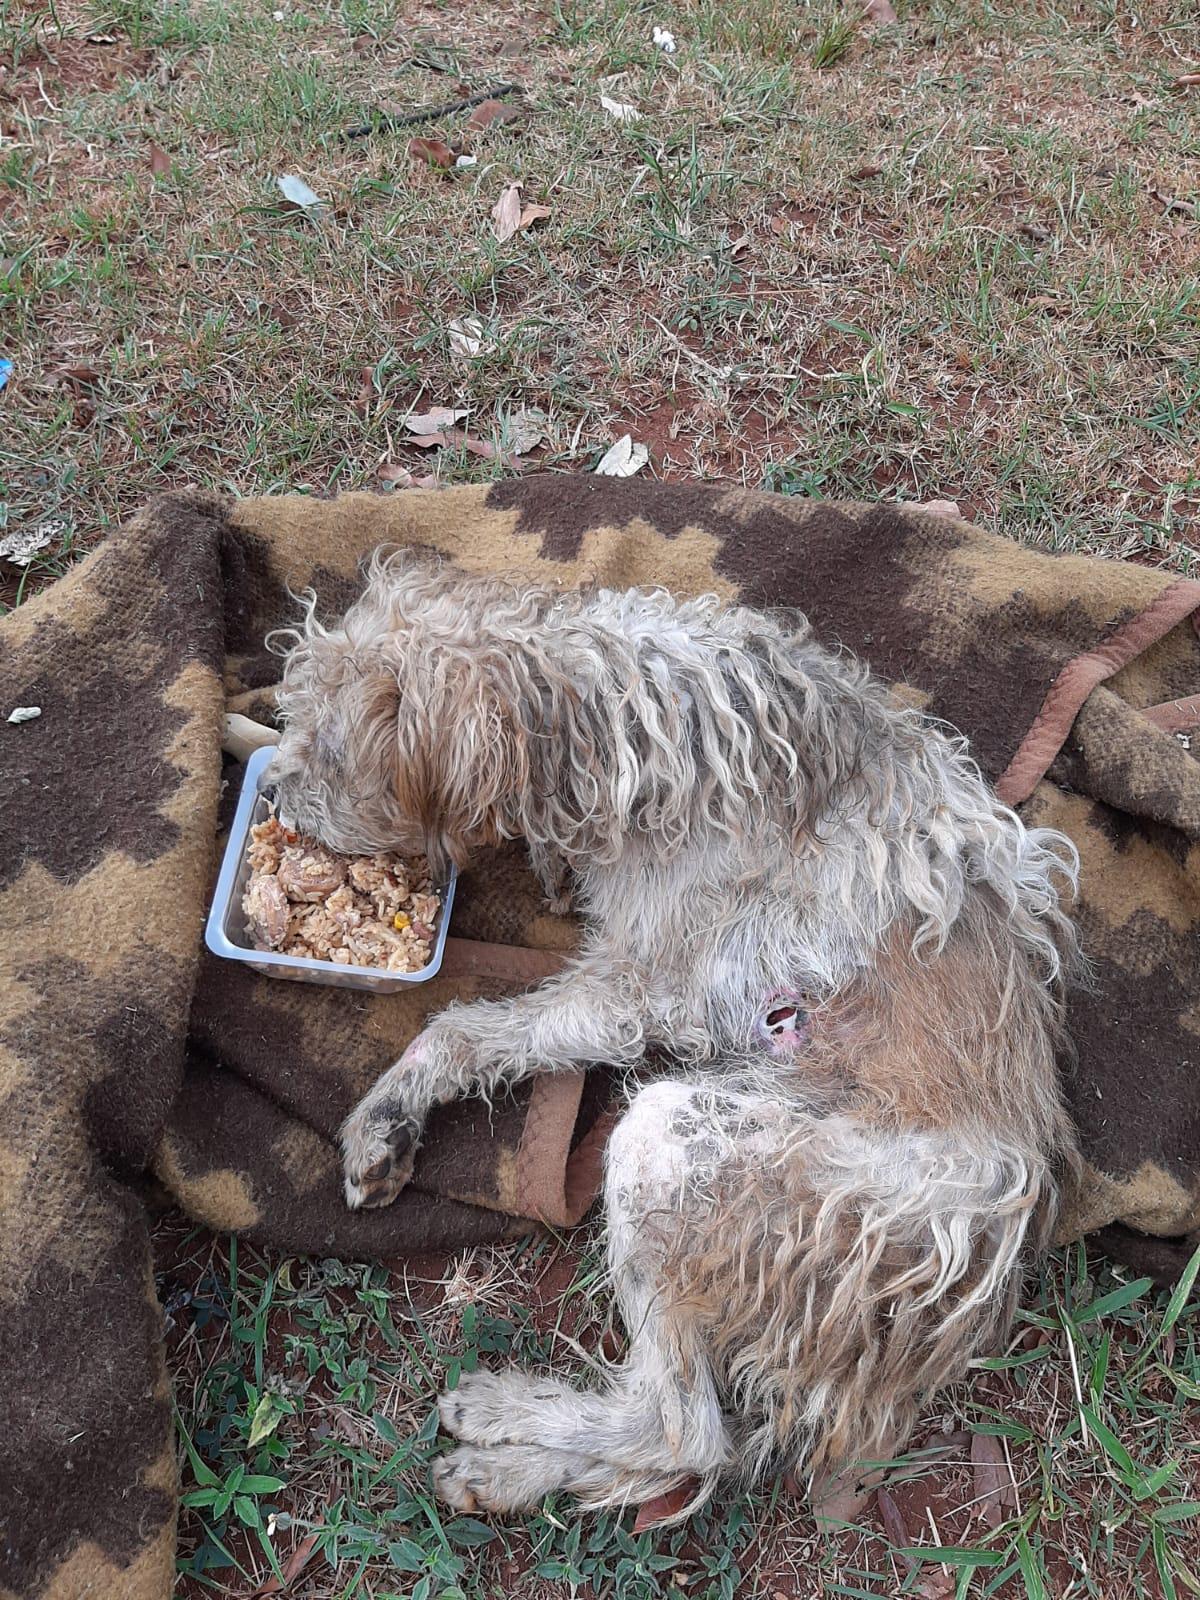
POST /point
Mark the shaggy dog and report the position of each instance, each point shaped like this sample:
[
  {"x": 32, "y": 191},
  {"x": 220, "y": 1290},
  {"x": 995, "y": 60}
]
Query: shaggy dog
[{"x": 803, "y": 894}]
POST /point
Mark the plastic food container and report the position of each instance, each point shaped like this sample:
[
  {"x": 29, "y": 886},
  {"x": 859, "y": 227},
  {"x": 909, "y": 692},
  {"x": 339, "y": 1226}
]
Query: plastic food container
[{"x": 225, "y": 932}]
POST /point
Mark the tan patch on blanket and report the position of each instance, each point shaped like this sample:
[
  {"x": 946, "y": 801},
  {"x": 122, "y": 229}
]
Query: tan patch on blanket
[
  {"x": 1150, "y": 1200},
  {"x": 309, "y": 1160},
  {"x": 218, "y": 1197},
  {"x": 88, "y": 1574}
]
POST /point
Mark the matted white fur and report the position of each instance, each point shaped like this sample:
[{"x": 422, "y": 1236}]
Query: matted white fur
[{"x": 802, "y": 1243}]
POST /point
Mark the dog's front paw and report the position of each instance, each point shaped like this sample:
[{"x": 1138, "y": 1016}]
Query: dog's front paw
[{"x": 379, "y": 1147}]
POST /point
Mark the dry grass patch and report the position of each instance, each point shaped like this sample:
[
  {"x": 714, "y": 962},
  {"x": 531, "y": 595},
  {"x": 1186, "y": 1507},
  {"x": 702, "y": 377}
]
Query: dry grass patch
[{"x": 960, "y": 260}]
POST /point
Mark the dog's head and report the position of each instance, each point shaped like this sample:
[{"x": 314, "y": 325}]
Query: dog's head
[{"x": 394, "y": 735}]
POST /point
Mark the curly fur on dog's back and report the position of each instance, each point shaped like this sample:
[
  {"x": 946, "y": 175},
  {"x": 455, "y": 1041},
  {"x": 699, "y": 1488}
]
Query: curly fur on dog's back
[
  {"x": 584, "y": 720},
  {"x": 742, "y": 812}
]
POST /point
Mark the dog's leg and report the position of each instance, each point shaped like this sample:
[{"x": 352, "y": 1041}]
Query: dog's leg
[
  {"x": 580, "y": 1016},
  {"x": 657, "y": 1422},
  {"x": 514, "y": 1477},
  {"x": 645, "y": 1419},
  {"x": 832, "y": 1275}
]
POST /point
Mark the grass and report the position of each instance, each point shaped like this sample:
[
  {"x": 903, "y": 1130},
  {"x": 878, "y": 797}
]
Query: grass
[{"x": 956, "y": 258}]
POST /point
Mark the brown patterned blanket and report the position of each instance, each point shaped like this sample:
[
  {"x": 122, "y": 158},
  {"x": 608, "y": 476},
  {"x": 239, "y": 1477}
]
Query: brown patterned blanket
[{"x": 125, "y": 1053}]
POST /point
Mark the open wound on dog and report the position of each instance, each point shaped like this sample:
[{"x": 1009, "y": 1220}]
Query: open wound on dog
[{"x": 784, "y": 1024}]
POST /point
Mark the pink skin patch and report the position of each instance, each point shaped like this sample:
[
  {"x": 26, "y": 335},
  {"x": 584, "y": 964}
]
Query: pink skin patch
[
  {"x": 417, "y": 1052},
  {"x": 783, "y": 1024}
]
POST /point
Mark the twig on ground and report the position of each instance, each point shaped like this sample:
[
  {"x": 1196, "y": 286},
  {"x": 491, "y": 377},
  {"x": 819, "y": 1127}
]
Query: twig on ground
[
  {"x": 722, "y": 374},
  {"x": 407, "y": 119}
]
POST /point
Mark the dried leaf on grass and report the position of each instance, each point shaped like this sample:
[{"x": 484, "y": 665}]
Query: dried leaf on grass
[
  {"x": 22, "y": 544},
  {"x": 466, "y": 338},
  {"x": 1172, "y": 205},
  {"x": 339, "y": 1422},
  {"x": 455, "y": 436},
  {"x": 79, "y": 377},
  {"x": 433, "y": 419},
  {"x": 895, "y": 1525},
  {"x": 879, "y": 11},
  {"x": 531, "y": 212},
  {"x": 392, "y": 472},
  {"x": 432, "y": 441},
  {"x": 937, "y": 1586},
  {"x": 941, "y": 508},
  {"x": 525, "y": 430},
  {"x": 506, "y": 213},
  {"x": 941, "y": 1444},
  {"x": 366, "y": 390},
  {"x": 160, "y": 162},
  {"x": 835, "y": 1497},
  {"x": 481, "y": 447},
  {"x": 994, "y": 1491},
  {"x": 619, "y": 109},
  {"x": 491, "y": 111},
  {"x": 511, "y": 214},
  {"x": 623, "y": 459},
  {"x": 433, "y": 152},
  {"x": 280, "y": 314},
  {"x": 661, "y": 1506},
  {"x": 291, "y": 1568},
  {"x": 297, "y": 193}
]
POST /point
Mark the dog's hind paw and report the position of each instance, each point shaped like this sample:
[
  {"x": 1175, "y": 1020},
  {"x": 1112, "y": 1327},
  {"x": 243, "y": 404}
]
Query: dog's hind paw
[
  {"x": 379, "y": 1147},
  {"x": 503, "y": 1478},
  {"x": 497, "y": 1407},
  {"x": 506, "y": 1407},
  {"x": 462, "y": 1480}
]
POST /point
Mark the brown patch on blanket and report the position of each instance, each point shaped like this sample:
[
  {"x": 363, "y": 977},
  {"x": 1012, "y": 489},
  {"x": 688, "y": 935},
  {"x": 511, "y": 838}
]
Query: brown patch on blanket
[{"x": 88, "y": 1474}]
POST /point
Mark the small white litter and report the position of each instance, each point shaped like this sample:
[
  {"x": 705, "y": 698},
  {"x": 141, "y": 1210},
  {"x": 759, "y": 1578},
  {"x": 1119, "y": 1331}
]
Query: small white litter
[
  {"x": 298, "y": 193},
  {"x": 623, "y": 459},
  {"x": 620, "y": 109}
]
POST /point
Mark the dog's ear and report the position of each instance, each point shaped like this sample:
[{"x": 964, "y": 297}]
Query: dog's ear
[
  {"x": 417, "y": 774},
  {"x": 459, "y": 759}
]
